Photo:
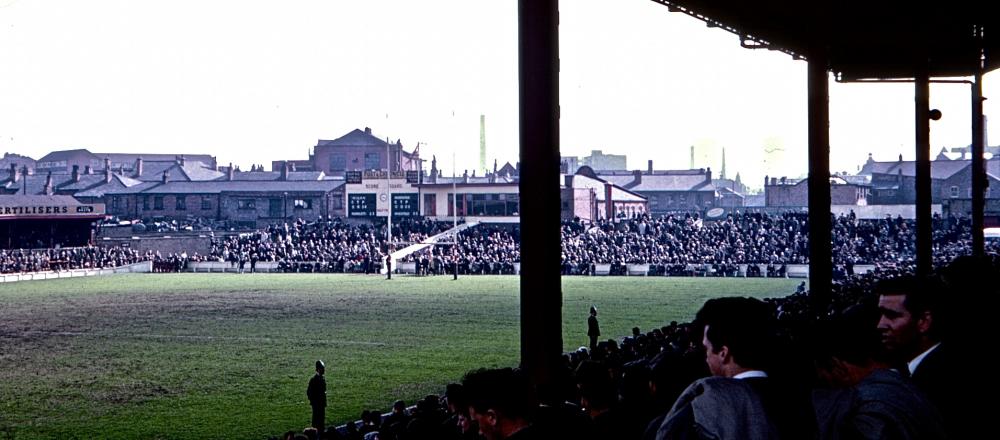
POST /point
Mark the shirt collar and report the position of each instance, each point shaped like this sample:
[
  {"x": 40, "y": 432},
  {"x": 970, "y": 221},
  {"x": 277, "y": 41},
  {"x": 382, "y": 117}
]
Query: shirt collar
[
  {"x": 750, "y": 373},
  {"x": 912, "y": 365}
]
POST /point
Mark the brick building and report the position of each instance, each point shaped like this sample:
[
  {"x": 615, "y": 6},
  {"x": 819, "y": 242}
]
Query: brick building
[
  {"x": 669, "y": 190},
  {"x": 357, "y": 151},
  {"x": 588, "y": 197},
  {"x": 794, "y": 193}
]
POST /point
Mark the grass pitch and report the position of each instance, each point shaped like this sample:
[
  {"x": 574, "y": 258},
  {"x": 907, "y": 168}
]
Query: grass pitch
[{"x": 191, "y": 356}]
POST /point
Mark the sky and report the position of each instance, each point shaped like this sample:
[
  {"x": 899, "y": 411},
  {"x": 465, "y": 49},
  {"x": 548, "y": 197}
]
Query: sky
[{"x": 254, "y": 81}]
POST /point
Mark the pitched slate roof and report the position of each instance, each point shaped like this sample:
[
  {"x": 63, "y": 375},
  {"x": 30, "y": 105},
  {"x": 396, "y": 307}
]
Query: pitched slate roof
[
  {"x": 118, "y": 182},
  {"x": 129, "y": 158},
  {"x": 662, "y": 182},
  {"x": 41, "y": 200},
  {"x": 152, "y": 171},
  {"x": 215, "y": 187},
  {"x": 617, "y": 192},
  {"x": 86, "y": 181},
  {"x": 940, "y": 169},
  {"x": 64, "y": 155},
  {"x": 276, "y": 175},
  {"x": 360, "y": 138},
  {"x": 353, "y": 139}
]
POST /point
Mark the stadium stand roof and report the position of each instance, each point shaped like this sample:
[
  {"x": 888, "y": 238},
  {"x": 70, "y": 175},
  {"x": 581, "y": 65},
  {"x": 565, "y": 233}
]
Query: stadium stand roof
[{"x": 862, "y": 39}]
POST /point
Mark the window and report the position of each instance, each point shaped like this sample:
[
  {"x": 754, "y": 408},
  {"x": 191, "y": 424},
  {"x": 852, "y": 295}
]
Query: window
[
  {"x": 181, "y": 203},
  {"x": 372, "y": 161},
  {"x": 145, "y": 203},
  {"x": 206, "y": 203},
  {"x": 158, "y": 202},
  {"x": 954, "y": 192},
  {"x": 275, "y": 208},
  {"x": 114, "y": 202},
  {"x": 338, "y": 162},
  {"x": 337, "y": 201},
  {"x": 303, "y": 204},
  {"x": 246, "y": 204}
]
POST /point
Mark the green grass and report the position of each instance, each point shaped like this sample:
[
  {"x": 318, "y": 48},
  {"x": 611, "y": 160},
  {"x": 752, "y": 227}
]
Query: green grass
[{"x": 188, "y": 356}]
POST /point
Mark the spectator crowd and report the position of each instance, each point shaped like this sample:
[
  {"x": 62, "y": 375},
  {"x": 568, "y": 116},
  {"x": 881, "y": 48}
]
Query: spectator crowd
[
  {"x": 91, "y": 257},
  {"x": 750, "y": 244}
]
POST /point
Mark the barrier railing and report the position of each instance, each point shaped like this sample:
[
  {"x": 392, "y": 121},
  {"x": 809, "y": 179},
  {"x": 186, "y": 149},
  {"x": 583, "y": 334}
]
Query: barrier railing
[{"x": 141, "y": 267}]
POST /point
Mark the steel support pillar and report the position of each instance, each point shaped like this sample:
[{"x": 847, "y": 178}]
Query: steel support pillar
[
  {"x": 541, "y": 294},
  {"x": 979, "y": 182},
  {"x": 820, "y": 228},
  {"x": 923, "y": 170}
]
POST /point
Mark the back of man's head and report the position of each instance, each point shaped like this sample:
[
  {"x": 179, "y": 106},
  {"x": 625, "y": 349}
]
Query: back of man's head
[
  {"x": 745, "y": 325},
  {"x": 851, "y": 336},
  {"x": 503, "y": 390}
]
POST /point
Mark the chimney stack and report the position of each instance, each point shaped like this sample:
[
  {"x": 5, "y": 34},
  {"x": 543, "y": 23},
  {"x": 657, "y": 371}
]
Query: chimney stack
[
  {"x": 138, "y": 167},
  {"x": 637, "y": 176},
  {"x": 708, "y": 174},
  {"x": 107, "y": 164},
  {"x": 284, "y": 170},
  {"x": 166, "y": 176},
  {"x": 76, "y": 173},
  {"x": 13, "y": 172},
  {"x": 649, "y": 167},
  {"x": 230, "y": 172},
  {"x": 107, "y": 175},
  {"x": 48, "y": 184},
  {"x": 609, "y": 206},
  {"x": 368, "y": 130},
  {"x": 181, "y": 160}
]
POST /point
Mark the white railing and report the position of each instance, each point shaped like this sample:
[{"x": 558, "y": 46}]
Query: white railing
[{"x": 141, "y": 267}]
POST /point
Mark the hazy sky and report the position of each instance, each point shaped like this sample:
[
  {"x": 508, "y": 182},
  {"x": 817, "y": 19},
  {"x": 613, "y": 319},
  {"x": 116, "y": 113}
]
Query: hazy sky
[{"x": 254, "y": 81}]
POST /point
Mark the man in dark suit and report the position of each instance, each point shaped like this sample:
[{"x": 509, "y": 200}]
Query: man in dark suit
[
  {"x": 593, "y": 328},
  {"x": 317, "y": 396},
  {"x": 864, "y": 398},
  {"x": 912, "y": 325}
]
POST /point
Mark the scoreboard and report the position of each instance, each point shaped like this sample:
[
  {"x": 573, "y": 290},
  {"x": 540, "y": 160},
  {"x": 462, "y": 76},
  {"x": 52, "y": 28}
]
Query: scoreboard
[
  {"x": 361, "y": 205},
  {"x": 405, "y": 205}
]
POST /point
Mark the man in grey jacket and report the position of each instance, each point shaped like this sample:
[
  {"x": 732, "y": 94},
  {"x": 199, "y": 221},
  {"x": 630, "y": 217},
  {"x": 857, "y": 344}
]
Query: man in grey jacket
[{"x": 740, "y": 400}]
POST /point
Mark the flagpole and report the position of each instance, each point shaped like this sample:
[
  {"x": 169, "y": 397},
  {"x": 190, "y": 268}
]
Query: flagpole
[{"x": 388, "y": 192}]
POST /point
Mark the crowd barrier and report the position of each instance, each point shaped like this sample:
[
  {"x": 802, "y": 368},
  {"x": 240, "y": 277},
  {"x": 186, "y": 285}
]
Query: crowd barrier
[
  {"x": 792, "y": 270},
  {"x": 141, "y": 267}
]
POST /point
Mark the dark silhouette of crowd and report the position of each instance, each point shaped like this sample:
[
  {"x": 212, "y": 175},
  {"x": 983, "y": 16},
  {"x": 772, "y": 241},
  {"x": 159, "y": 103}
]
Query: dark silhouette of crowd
[{"x": 865, "y": 366}]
